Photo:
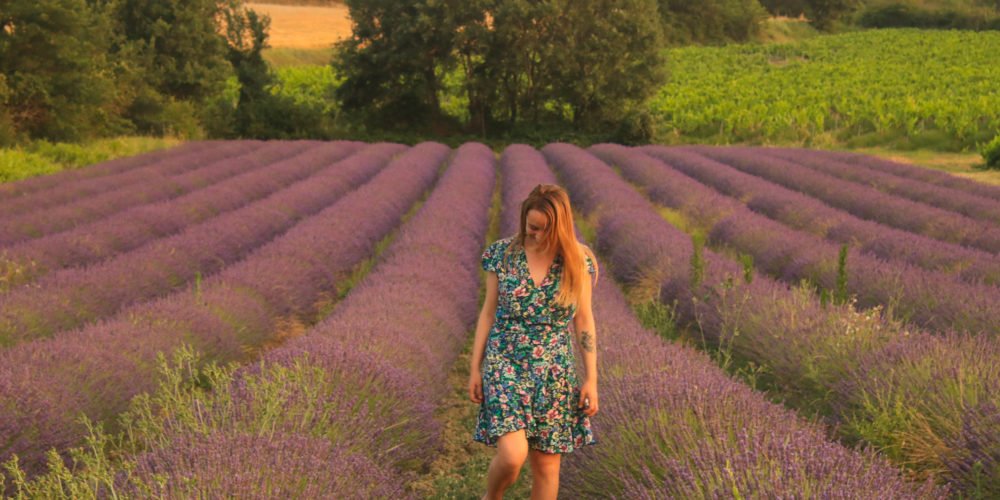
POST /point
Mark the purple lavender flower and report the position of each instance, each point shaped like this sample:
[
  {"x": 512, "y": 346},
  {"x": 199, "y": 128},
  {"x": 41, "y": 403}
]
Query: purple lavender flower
[
  {"x": 98, "y": 369},
  {"x": 864, "y": 202}
]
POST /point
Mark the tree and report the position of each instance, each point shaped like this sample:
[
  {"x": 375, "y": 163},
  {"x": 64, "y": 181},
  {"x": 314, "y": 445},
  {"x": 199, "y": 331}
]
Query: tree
[
  {"x": 581, "y": 64},
  {"x": 54, "y": 69},
  {"x": 823, "y": 13},
  {"x": 391, "y": 62},
  {"x": 611, "y": 60},
  {"x": 183, "y": 51},
  {"x": 246, "y": 34}
]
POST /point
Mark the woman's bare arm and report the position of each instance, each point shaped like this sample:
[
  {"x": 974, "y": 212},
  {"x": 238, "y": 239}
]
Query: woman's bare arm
[
  {"x": 585, "y": 331},
  {"x": 483, "y": 326}
]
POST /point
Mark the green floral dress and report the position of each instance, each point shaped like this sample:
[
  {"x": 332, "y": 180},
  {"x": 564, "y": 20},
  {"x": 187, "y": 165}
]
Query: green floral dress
[{"x": 529, "y": 371}]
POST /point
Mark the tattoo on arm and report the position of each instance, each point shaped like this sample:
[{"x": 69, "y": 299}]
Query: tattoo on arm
[{"x": 587, "y": 341}]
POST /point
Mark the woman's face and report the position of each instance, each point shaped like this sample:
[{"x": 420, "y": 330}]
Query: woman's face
[{"x": 536, "y": 227}]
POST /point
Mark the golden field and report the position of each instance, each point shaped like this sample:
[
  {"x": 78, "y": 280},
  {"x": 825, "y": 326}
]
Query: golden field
[{"x": 305, "y": 26}]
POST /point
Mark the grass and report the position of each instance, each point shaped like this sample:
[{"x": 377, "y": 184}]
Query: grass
[
  {"x": 782, "y": 29},
  {"x": 282, "y": 57},
  {"x": 42, "y": 157}
]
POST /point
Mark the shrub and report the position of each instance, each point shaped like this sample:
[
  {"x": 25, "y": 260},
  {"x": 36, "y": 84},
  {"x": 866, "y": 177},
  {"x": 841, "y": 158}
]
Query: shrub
[
  {"x": 991, "y": 153},
  {"x": 899, "y": 14}
]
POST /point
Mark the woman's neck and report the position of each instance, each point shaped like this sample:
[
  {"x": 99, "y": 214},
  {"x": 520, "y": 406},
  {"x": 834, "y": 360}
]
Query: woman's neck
[{"x": 535, "y": 250}]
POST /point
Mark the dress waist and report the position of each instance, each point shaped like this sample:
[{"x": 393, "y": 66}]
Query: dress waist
[{"x": 540, "y": 343}]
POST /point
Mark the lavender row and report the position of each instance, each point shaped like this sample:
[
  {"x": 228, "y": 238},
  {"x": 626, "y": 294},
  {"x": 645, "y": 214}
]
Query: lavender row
[
  {"x": 72, "y": 297},
  {"x": 45, "y": 385},
  {"x": 864, "y": 202},
  {"x": 674, "y": 425},
  {"x": 132, "y": 228},
  {"x": 809, "y": 214},
  {"x": 914, "y": 172},
  {"x": 32, "y": 185},
  {"x": 931, "y": 299},
  {"x": 41, "y": 222},
  {"x": 386, "y": 348},
  {"x": 817, "y": 358},
  {"x": 159, "y": 171},
  {"x": 977, "y": 207},
  {"x": 228, "y": 463}
]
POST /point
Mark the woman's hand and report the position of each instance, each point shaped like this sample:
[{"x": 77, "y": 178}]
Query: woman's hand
[
  {"x": 476, "y": 386},
  {"x": 588, "y": 391}
]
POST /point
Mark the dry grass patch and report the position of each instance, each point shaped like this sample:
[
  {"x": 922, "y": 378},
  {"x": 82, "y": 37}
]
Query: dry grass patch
[{"x": 296, "y": 26}]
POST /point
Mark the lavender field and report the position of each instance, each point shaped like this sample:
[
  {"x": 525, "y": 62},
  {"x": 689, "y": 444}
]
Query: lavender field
[{"x": 256, "y": 319}]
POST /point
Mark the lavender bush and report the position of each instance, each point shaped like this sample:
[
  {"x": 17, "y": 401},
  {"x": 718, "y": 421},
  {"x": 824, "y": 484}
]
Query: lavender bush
[
  {"x": 157, "y": 188},
  {"x": 244, "y": 465},
  {"x": 808, "y": 350},
  {"x": 802, "y": 212},
  {"x": 365, "y": 368},
  {"x": 45, "y": 385},
  {"x": 25, "y": 187},
  {"x": 864, "y": 202},
  {"x": 914, "y": 172},
  {"x": 71, "y": 297},
  {"x": 930, "y": 299},
  {"x": 978, "y": 207},
  {"x": 673, "y": 424},
  {"x": 85, "y": 244},
  {"x": 76, "y": 190}
]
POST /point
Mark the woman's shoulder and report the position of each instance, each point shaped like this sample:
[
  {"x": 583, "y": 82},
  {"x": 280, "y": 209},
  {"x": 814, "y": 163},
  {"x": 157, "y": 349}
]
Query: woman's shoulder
[
  {"x": 501, "y": 244},
  {"x": 493, "y": 255}
]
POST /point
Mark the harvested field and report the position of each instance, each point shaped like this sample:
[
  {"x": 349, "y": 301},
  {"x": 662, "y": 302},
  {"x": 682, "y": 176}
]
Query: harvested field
[{"x": 305, "y": 26}]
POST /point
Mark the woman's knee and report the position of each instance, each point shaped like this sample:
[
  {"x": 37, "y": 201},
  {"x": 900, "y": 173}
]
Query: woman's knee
[
  {"x": 513, "y": 450},
  {"x": 545, "y": 464}
]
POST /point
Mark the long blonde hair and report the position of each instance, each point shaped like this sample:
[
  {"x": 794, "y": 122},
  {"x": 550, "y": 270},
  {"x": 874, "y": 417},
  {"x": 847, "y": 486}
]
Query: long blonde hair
[{"x": 553, "y": 202}]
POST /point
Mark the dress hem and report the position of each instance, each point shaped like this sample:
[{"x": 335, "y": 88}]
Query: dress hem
[{"x": 495, "y": 439}]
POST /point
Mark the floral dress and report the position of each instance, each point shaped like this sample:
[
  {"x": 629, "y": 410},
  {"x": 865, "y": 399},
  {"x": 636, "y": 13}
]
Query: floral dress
[{"x": 529, "y": 371}]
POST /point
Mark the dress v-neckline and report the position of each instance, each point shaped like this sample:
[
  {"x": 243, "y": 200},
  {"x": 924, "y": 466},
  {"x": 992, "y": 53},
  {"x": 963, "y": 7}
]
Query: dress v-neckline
[{"x": 527, "y": 269}]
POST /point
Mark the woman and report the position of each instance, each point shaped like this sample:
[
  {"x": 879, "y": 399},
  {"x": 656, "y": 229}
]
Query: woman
[{"x": 523, "y": 371}]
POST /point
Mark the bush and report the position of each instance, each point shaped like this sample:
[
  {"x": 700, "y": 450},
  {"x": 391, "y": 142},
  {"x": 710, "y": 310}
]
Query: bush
[
  {"x": 16, "y": 164},
  {"x": 636, "y": 127},
  {"x": 991, "y": 153},
  {"x": 711, "y": 21},
  {"x": 903, "y": 14}
]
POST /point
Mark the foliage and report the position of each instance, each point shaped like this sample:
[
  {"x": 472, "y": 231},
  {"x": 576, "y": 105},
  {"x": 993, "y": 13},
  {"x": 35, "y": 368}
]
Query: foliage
[
  {"x": 824, "y": 13},
  {"x": 246, "y": 34},
  {"x": 16, "y": 164},
  {"x": 840, "y": 87},
  {"x": 610, "y": 61},
  {"x": 583, "y": 66},
  {"x": 711, "y": 21},
  {"x": 930, "y": 14},
  {"x": 991, "y": 153},
  {"x": 821, "y": 13},
  {"x": 390, "y": 64},
  {"x": 179, "y": 44},
  {"x": 43, "y": 157},
  {"x": 54, "y": 69},
  {"x": 7, "y": 131}
]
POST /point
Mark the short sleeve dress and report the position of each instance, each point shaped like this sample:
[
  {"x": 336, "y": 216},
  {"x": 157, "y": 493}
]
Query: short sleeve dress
[{"x": 529, "y": 371}]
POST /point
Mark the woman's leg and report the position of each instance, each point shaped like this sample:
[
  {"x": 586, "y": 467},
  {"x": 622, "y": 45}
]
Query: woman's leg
[
  {"x": 512, "y": 450},
  {"x": 545, "y": 474}
]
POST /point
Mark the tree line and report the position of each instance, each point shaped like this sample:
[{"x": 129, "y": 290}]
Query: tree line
[
  {"x": 547, "y": 69},
  {"x": 79, "y": 69}
]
